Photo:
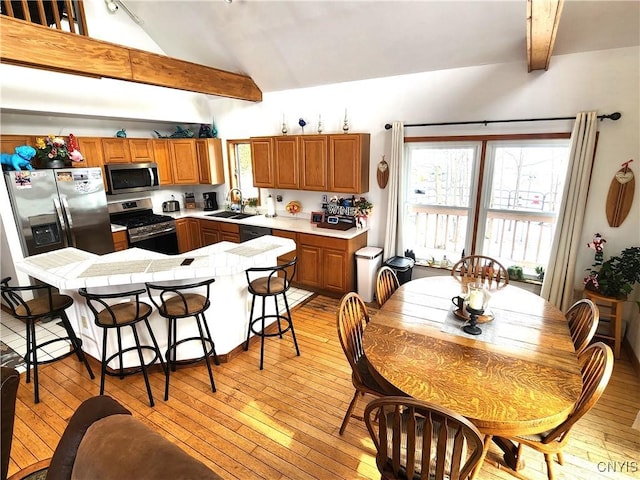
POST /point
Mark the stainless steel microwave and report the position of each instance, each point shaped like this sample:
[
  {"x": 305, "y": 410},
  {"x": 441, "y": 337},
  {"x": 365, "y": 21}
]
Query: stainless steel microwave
[{"x": 131, "y": 177}]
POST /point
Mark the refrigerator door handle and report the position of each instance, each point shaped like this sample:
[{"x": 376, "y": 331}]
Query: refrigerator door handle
[
  {"x": 61, "y": 217},
  {"x": 66, "y": 211}
]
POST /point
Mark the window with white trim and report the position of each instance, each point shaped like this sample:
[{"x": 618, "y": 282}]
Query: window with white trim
[{"x": 498, "y": 198}]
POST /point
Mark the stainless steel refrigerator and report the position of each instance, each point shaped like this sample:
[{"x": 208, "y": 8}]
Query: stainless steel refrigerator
[{"x": 60, "y": 208}]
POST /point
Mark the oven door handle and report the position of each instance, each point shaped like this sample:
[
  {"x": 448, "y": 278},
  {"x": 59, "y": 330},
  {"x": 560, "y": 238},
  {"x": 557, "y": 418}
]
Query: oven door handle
[{"x": 146, "y": 236}]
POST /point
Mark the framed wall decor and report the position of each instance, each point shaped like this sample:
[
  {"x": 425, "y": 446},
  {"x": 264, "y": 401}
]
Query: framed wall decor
[{"x": 317, "y": 217}]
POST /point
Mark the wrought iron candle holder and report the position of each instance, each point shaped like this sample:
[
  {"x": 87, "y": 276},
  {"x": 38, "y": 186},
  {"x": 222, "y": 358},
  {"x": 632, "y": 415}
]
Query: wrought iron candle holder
[{"x": 472, "y": 327}]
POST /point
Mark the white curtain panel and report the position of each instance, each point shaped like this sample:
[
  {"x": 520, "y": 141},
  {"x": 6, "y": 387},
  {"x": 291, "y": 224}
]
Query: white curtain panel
[
  {"x": 559, "y": 280},
  {"x": 394, "y": 217}
]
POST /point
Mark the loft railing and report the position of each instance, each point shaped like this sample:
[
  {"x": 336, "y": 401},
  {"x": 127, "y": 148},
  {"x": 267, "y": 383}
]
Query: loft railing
[{"x": 65, "y": 15}]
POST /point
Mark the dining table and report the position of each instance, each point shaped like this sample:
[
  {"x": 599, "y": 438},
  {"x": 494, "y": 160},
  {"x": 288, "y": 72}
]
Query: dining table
[{"x": 520, "y": 376}]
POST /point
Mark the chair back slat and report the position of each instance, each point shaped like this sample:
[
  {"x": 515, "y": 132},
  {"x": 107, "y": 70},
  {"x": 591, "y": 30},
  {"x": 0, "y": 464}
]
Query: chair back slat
[
  {"x": 583, "y": 318},
  {"x": 483, "y": 268},
  {"x": 597, "y": 366},
  {"x": 352, "y": 319},
  {"x": 416, "y": 439},
  {"x": 386, "y": 283}
]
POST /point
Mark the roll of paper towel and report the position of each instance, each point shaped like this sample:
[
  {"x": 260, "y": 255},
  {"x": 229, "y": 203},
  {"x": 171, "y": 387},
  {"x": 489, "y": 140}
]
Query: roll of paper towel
[{"x": 271, "y": 207}]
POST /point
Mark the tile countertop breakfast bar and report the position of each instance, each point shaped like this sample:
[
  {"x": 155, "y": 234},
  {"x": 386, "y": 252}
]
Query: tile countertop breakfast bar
[{"x": 70, "y": 269}]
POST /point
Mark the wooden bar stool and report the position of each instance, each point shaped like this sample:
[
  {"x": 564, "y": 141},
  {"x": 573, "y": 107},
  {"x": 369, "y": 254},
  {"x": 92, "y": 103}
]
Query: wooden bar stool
[
  {"x": 612, "y": 314},
  {"x": 115, "y": 311},
  {"x": 49, "y": 306},
  {"x": 177, "y": 302},
  {"x": 273, "y": 282}
]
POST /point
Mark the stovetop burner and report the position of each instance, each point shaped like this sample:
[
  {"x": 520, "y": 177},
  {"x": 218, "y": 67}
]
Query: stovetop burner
[{"x": 142, "y": 220}]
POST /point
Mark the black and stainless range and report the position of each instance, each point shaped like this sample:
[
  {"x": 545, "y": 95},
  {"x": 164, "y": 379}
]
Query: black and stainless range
[{"x": 145, "y": 229}]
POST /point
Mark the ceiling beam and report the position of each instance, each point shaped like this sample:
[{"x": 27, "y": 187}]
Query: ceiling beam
[
  {"x": 35, "y": 46},
  {"x": 543, "y": 17}
]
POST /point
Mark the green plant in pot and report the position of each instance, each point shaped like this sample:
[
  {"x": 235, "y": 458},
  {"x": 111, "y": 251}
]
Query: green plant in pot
[{"x": 617, "y": 276}]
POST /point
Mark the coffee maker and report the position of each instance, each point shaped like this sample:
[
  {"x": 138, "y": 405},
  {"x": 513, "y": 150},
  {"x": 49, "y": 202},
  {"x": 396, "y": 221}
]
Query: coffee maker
[{"x": 210, "y": 201}]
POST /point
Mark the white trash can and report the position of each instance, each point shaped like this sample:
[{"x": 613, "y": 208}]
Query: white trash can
[{"x": 368, "y": 261}]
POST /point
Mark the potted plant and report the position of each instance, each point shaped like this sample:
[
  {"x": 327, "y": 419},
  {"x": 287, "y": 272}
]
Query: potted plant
[{"x": 617, "y": 276}]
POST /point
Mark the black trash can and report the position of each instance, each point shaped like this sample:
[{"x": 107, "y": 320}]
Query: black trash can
[{"x": 402, "y": 266}]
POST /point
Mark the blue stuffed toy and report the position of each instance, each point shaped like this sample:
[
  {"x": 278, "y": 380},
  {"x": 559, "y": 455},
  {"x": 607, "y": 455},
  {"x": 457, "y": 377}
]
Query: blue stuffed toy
[{"x": 21, "y": 160}]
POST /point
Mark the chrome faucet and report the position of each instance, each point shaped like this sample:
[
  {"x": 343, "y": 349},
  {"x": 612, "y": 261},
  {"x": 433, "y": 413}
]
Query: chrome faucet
[{"x": 235, "y": 206}]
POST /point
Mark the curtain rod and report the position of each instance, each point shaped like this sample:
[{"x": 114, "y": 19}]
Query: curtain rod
[{"x": 612, "y": 116}]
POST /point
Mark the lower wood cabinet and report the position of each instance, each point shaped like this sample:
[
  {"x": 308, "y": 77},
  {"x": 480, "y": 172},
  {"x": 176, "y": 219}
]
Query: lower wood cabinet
[
  {"x": 188, "y": 231},
  {"x": 328, "y": 263},
  {"x": 287, "y": 257},
  {"x": 229, "y": 232},
  {"x": 120, "y": 240},
  {"x": 212, "y": 231},
  {"x": 209, "y": 232}
]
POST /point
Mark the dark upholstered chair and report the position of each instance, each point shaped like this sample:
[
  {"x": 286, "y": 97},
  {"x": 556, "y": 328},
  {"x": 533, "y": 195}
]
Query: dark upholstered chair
[
  {"x": 10, "y": 379},
  {"x": 267, "y": 282},
  {"x": 177, "y": 302},
  {"x": 45, "y": 305},
  {"x": 103, "y": 440},
  {"x": 419, "y": 440},
  {"x": 110, "y": 312}
]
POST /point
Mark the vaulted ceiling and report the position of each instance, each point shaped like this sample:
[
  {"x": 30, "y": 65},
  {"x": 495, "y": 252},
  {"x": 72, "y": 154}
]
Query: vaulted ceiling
[{"x": 293, "y": 44}]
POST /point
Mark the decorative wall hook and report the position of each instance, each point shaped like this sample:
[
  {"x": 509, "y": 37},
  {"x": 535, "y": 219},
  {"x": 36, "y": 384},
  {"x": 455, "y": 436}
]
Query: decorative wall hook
[{"x": 383, "y": 173}]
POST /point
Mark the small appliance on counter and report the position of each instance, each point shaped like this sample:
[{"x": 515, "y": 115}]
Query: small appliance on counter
[
  {"x": 271, "y": 207},
  {"x": 210, "y": 201},
  {"x": 189, "y": 200},
  {"x": 171, "y": 206}
]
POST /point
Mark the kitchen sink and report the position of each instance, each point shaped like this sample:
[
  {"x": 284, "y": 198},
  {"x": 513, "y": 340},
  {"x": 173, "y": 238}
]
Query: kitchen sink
[
  {"x": 231, "y": 215},
  {"x": 225, "y": 214},
  {"x": 240, "y": 216}
]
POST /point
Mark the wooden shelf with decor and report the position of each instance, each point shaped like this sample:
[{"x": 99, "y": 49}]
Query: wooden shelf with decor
[{"x": 611, "y": 316}]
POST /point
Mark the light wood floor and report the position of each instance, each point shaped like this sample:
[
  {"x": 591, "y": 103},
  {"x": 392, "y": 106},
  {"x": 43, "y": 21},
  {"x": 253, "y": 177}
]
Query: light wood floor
[{"x": 282, "y": 422}]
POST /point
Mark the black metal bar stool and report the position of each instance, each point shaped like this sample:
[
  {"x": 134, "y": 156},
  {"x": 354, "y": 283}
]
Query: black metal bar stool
[
  {"x": 49, "y": 306},
  {"x": 276, "y": 282},
  {"x": 178, "y": 302},
  {"x": 111, "y": 312}
]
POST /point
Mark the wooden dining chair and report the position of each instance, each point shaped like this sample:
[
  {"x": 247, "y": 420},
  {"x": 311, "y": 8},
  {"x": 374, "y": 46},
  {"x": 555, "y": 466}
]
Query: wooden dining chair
[
  {"x": 352, "y": 320},
  {"x": 415, "y": 439},
  {"x": 386, "y": 283},
  {"x": 482, "y": 268},
  {"x": 583, "y": 318},
  {"x": 597, "y": 365}
]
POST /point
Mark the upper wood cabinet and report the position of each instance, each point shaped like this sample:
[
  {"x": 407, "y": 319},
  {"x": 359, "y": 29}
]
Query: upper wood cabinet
[
  {"x": 184, "y": 163},
  {"x": 349, "y": 163},
  {"x": 116, "y": 150},
  {"x": 285, "y": 153},
  {"x": 162, "y": 156},
  {"x": 8, "y": 143},
  {"x": 312, "y": 161},
  {"x": 141, "y": 150},
  {"x": 210, "y": 169},
  {"x": 91, "y": 149},
  {"x": 330, "y": 163},
  {"x": 262, "y": 162}
]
